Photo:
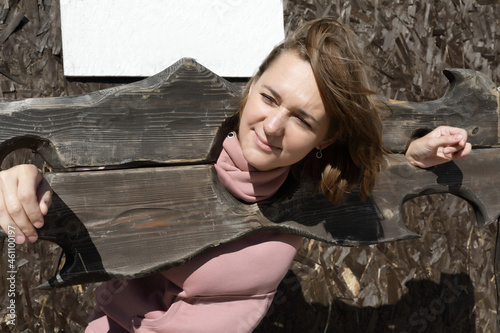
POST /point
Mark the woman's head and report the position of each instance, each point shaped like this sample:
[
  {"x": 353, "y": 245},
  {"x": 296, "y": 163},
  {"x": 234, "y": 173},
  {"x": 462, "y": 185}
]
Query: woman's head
[
  {"x": 323, "y": 77},
  {"x": 284, "y": 117}
]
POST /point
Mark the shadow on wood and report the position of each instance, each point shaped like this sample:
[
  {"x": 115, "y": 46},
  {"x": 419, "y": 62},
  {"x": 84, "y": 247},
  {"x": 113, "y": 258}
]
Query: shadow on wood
[{"x": 72, "y": 236}]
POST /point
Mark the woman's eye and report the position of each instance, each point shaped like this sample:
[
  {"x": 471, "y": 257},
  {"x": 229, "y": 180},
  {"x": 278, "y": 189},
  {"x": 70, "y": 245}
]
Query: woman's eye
[
  {"x": 303, "y": 122},
  {"x": 268, "y": 99}
]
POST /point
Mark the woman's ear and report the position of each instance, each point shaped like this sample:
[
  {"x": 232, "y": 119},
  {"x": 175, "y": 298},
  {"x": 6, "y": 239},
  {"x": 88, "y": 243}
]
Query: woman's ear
[{"x": 325, "y": 143}]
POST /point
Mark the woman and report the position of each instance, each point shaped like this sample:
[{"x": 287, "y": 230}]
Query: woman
[{"x": 308, "y": 112}]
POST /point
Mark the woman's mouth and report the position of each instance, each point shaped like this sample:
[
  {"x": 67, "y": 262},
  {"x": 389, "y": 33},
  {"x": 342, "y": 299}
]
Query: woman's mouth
[{"x": 263, "y": 144}]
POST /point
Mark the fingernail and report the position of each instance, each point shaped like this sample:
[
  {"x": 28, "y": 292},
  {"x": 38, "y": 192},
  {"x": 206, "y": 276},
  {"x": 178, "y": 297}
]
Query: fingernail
[
  {"x": 38, "y": 224},
  {"x": 458, "y": 137},
  {"x": 32, "y": 238},
  {"x": 20, "y": 239}
]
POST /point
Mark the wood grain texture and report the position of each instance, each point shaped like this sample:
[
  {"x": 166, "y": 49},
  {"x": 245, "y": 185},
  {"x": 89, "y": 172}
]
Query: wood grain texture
[
  {"x": 130, "y": 222},
  {"x": 180, "y": 116},
  {"x": 154, "y": 218},
  {"x": 471, "y": 102},
  {"x": 172, "y": 117}
]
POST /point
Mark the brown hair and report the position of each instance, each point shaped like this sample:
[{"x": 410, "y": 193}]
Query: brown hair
[{"x": 357, "y": 153}]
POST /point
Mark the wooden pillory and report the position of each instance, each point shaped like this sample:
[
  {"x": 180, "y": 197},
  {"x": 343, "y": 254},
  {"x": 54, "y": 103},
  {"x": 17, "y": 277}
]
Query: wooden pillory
[{"x": 135, "y": 190}]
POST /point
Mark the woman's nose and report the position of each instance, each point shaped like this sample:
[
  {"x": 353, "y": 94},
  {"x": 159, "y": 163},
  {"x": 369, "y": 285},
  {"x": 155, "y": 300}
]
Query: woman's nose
[{"x": 274, "y": 124}]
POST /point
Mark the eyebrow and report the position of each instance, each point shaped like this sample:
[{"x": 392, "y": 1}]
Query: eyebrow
[{"x": 301, "y": 111}]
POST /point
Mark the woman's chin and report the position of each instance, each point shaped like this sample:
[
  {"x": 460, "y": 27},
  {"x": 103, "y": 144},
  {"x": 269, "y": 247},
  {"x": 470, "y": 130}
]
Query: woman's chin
[{"x": 259, "y": 166}]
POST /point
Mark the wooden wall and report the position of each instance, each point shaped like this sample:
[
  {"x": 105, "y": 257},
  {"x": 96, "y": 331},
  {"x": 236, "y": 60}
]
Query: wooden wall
[{"x": 441, "y": 282}]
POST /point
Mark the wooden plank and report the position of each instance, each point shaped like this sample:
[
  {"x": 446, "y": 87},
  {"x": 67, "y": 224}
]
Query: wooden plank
[
  {"x": 172, "y": 117},
  {"x": 155, "y": 218},
  {"x": 177, "y": 116},
  {"x": 471, "y": 102}
]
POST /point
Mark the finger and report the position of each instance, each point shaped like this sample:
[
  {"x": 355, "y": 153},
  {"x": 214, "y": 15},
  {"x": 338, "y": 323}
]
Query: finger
[
  {"x": 8, "y": 224},
  {"x": 460, "y": 133},
  {"x": 457, "y": 131},
  {"x": 463, "y": 152},
  {"x": 444, "y": 142},
  {"x": 451, "y": 150},
  {"x": 461, "y": 138},
  {"x": 449, "y": 130},
  {"x": 44, "y": 196},
  {"x": 463, "y": 141},
  {"x": 28, "y": 196},
  {"x": 18, "y": 200},
  {"x": 20, "y": 219}
]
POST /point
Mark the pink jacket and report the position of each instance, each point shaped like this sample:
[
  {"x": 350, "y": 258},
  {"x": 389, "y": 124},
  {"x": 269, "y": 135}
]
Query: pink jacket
[{"x": 229, "y": 289}]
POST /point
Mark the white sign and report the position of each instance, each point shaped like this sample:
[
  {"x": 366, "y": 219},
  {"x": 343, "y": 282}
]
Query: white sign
[{"x": 142, "y": 38}]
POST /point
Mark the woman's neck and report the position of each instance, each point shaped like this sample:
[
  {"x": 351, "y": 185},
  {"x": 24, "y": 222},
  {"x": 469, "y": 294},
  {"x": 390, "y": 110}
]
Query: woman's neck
[{"x": 241, "y": 179}]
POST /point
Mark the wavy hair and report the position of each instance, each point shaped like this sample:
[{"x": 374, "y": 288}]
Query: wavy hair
[{"x": 356, "y": 156}]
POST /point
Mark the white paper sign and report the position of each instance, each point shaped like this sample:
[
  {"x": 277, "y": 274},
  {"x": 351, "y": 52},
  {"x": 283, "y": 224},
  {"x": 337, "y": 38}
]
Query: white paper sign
[{"x": 142, "y": 38}]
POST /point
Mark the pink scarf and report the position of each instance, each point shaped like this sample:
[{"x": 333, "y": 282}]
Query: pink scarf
[{"x": 241, "y": 179}]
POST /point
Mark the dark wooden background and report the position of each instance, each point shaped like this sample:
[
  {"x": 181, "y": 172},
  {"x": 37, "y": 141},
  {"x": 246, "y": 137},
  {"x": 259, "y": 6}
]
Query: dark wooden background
[{"x": 443, "y": 282}]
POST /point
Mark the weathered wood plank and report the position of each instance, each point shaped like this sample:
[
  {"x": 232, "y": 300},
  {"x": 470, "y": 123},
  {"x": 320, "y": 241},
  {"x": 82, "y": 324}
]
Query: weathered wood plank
[
  {"x": 172, "y": 117},
  {"x": 471, "y": 102},
  {"x": 154, "y": 218},
  {"x": 176, "y": 117}
]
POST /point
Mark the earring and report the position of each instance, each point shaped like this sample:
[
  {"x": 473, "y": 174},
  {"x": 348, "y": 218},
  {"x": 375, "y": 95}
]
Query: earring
[{"x": 319, "y": 153}]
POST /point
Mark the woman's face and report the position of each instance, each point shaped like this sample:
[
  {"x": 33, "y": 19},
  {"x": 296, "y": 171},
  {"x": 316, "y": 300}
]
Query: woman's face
[{"x": 284, "y": 117}]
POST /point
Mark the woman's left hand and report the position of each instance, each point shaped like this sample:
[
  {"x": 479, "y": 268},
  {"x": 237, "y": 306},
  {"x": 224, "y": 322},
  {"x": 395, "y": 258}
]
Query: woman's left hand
[{"x": 442, "y": 145}]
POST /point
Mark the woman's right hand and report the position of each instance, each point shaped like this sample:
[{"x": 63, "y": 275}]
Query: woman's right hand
[
  {"x": 25, "y": 197},
  {"x": 442, "y": 145}
]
